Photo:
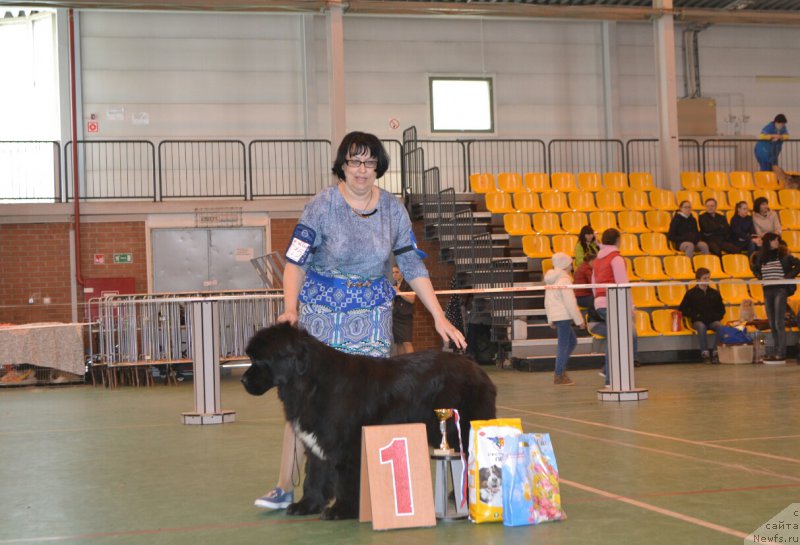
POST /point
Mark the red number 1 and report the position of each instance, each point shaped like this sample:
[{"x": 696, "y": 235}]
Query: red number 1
[{"x": 396, "y": 453}]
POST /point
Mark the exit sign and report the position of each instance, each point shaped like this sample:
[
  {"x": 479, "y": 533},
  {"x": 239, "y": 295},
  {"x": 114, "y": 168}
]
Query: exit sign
[{"x": 123, "y": 258}]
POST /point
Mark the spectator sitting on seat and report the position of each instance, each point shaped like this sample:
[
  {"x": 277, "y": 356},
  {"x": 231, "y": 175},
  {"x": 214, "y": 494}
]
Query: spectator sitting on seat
[
  {"x": 765, "y": 220},
  {"x": 704, "y": 307},
  {"x": 743, "y": 232},
  {"x": 683, "y": 232},
  {"x": 583, "y": 275},
  {"x": 587, "y": 245},
  {"x": 714, "y": 230}
]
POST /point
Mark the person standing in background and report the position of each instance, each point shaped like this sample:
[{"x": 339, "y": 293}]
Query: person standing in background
[
  {"x": 770, "y": 142},
  {"x": 402, "y": 313},
  {"x": 562, "y": 312}
]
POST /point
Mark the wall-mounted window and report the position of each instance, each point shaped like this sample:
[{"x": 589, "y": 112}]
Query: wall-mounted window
[{"x": 461, "y": 104}]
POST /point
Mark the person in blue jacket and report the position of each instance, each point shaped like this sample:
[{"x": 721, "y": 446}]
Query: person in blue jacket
[{"x": 770, "y": 142}]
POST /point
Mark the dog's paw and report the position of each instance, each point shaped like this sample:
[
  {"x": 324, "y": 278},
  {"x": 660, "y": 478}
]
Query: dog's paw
[
  {"x": 340, "y": 511},
  {"x": 303, "y": 507}
]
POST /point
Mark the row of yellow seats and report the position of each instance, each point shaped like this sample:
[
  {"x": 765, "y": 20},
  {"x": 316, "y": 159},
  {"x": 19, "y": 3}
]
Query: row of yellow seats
[
  {"x": 733, "y": 293},
  {"x": 513, "y": 182},
  {"x": 662, "y": 322},
  {"x": 634, "y": 199}
]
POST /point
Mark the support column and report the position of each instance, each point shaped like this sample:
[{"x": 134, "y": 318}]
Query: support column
[
  {"x": 309, "y": 63},
  {"x": 664, "y": 34},
  {"x": 336, "y": 98},
  {"x": 610, "y": 80},
  {"x": 205, "y": 342},
  {"x": 620, "y": 349}
]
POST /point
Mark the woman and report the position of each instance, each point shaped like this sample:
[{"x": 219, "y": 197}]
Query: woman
[
  {"x": 335, "y": 281},
  {"x": 583, "y": 275},
  {"x": 774, "y": 262},
  {"x": 586, "y": 245},
  {"x": 562, "y": 311},
  {"x": 402, "y": 314},
  {"x": 683, "y": 231},
  {"x": 770, "y": 142},
  {"x": 764, "y": 219},
  {"x": 743, "y": 232}
]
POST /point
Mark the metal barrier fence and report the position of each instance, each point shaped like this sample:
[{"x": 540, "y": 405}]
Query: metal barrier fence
[
  {"x": 739, "y": 154},
  {"x": 289, "y": 167},
  {"x": 506, "y": 156},
  {"x": 392, "y": 180},
  {"x": 586, "y": 156},
  {"x": 642, "y": 155},
  {"x": 30, "y": 170},
  {"x": 112, "y": 169},
  {"x": 202, "y": 168},
  {"x": 414, "y": 166},
  {"x": 450, "y": 156}
]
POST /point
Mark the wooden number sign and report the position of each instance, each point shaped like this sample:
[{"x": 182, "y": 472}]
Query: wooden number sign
[{"x": 396, "y": 489}]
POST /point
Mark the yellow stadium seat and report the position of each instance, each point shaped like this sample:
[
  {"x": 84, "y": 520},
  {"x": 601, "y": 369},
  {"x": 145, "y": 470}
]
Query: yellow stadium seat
[
  {"x": 693, "y": 181},
  {"x": 615, "y": 181},
  {"x": 645, "y": 297},
  {"x": 547, "y": 264},
  {"x": 555, "y": 201},
  {"x": 600, "y": 221},
  {"x": 518, "y": 224},
  {"x": 772, "y": 197},
  {"x": 629, "y": 269},
  {"x": 641, "y": 320},
  {"x": 736, "y": 266},
  {"x": 590, "y": 181},
  {"x": 731, "y": 314},
  {"x": 717, "y": 180},
  {"x": 631, "y": 221},
  {"x": 636, "y": 199},
  {"x": 692, "y": 196},
  {"x": 733, "y": 293},
  {"x": 742, "y": 180},
  {"x": 656, "y": 244},
  {"x": 735, "y": 196},
  {"x": 671, "y": 294},
  {"x": 792, "y": 239},
  {"x": 563, "y": 181},
  {"x": 537, "y": 246},
  {"x": 760, "y": 312},
  {"x": 658, "y": 220},
  {"x": 663, "y": 199},
  {"x": 573, "y": 222},
  {"x": 609, "y": 200},
  {"x": 499, "y": 203},
  {"x": 756, "y": 292},
  {"x": 510, "y": 182},
  {"x": 790, "y": 218},
  {"x": 641, "y": 180},
  {"x": 710, "y": 262},
  {"x": 546, "y": 223},
  {"x": 564, "y": 243},
  {"x": 537, "y": 181},
  {"x": 649, "y": 268},
  {"x": 678, "y": 267},
  {"x": 662, "y": 322},
  {"x": 766, "y": 180},
  {"x": 481, "y": 183},
  {"x": 527, "y": 201},
  {"x": 720, "y": 196},
  {"x": 582, "y": 201},
  {"x": 790, "y": 198},
  {"x": 629, "y": 245}
]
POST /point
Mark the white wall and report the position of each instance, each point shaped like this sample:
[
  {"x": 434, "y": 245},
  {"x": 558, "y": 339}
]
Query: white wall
[{"x": 242, "y": 75}]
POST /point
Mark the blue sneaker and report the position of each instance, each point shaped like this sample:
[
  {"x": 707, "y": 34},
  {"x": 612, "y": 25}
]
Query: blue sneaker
[{"x": 276, "y": 498}]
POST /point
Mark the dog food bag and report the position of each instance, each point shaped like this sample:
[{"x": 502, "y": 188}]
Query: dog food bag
[
  {"x": 486, "y": 439},
  {"x": 531, "y": 493}
]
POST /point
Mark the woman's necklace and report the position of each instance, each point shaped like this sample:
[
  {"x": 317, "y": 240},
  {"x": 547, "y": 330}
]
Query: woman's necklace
[{"x": 359, "y": 214}]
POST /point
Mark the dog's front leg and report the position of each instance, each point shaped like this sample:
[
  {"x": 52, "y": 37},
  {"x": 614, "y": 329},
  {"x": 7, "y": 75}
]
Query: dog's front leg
[
  {"x": 317, "y": 488},
  {"x": 346, "y": 490}
]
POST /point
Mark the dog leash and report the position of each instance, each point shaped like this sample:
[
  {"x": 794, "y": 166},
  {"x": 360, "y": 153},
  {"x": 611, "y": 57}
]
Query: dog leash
[{"x": 464, "y": 479}]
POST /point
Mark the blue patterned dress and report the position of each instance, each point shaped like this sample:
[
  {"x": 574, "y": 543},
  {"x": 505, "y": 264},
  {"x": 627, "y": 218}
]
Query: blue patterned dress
[{"x": 346, "y": 298}]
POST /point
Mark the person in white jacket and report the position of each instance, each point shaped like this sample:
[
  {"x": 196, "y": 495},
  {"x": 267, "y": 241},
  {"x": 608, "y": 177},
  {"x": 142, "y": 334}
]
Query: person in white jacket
[{"x": 562, "y": 312}]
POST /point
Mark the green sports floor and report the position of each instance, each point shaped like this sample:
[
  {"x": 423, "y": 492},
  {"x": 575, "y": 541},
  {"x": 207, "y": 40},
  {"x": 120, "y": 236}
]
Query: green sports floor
[{"x": 712, "y": 455}]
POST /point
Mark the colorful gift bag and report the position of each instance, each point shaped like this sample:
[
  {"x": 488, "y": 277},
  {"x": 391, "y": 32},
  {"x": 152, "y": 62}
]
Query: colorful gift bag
[
  {"x": 531, "y": 492},
  {"x": 486, "y": 440}
]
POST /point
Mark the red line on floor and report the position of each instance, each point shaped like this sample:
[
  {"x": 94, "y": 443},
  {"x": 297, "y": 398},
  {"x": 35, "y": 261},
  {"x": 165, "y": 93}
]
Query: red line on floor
[
  {"x": 753, "y": 439},
  {"x": 700, "y": 492}
]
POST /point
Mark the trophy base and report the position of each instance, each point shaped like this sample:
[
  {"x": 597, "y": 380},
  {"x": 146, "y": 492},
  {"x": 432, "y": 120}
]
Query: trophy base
[{"x": 444, "y": 452}]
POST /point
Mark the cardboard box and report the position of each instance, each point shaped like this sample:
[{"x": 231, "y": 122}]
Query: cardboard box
[{"x": 735, "y": 354}]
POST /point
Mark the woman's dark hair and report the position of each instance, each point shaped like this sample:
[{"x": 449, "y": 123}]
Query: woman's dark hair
[
  {"x": 610, "y": 237},
  {"x": 780, "y": 118},
  {"x": 765, "y": 253},
  {"x": 585, "y": 230},
  {"x": 757, "y": 204},
  {"x": 358, "y": 143}
]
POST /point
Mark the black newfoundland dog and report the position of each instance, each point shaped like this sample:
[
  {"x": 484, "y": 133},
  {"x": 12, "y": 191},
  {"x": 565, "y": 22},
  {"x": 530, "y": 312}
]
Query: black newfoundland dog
[{"x": 329, "y": 395}]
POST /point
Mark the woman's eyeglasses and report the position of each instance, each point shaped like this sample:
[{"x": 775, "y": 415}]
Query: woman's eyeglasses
[{"x": 369, "y": 163}]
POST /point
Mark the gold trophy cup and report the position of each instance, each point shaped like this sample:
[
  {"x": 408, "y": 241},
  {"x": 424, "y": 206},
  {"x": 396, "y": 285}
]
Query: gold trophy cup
[{"x": 444, "y": 449}]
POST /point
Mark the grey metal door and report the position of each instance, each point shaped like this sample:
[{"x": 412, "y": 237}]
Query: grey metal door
[{"x": 205, "y": 259}]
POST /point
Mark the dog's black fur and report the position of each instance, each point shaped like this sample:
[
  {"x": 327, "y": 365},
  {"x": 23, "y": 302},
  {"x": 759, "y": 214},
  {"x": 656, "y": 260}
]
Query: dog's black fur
[{"x": 331, "y": 395}]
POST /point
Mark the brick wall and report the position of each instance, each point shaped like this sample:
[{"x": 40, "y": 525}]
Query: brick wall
[
  {"x": 281, "y": 231},
  {"x": 125, "y": 237}
]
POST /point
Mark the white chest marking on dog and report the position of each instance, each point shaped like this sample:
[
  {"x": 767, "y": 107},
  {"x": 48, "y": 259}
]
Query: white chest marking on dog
[{"x": 309, "y": 440}]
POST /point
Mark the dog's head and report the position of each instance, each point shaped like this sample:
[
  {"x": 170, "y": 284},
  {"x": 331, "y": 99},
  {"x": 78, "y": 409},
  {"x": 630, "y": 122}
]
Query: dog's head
[
  {"x": 278, "y": 354},
  {"x": 491, "y": 478}
]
